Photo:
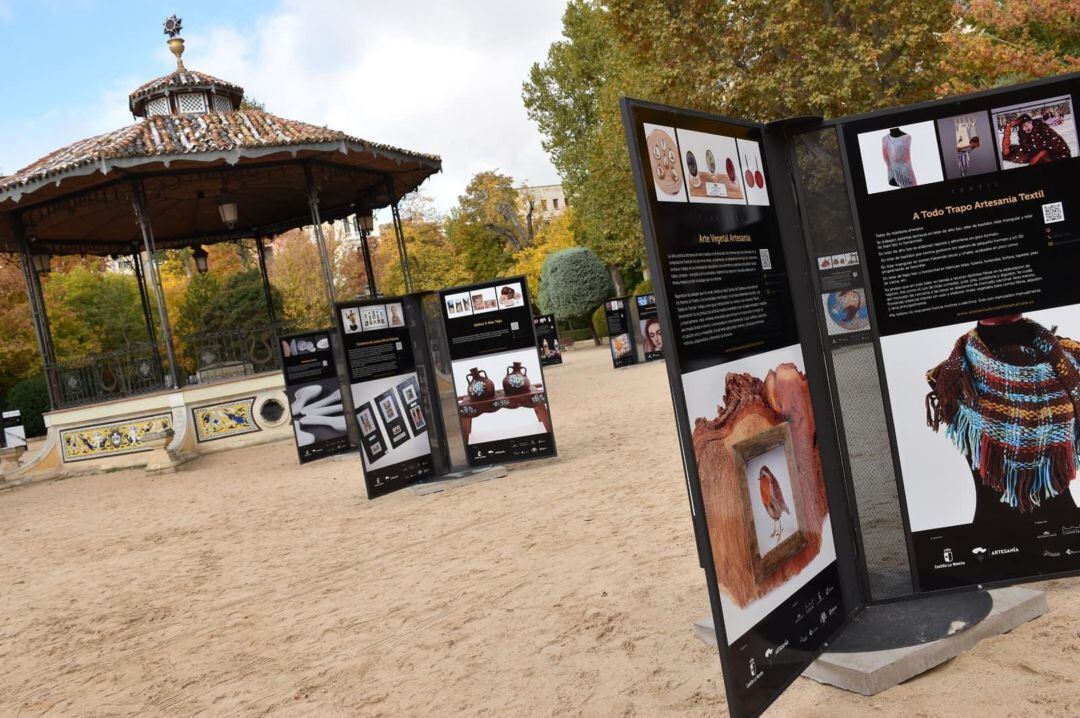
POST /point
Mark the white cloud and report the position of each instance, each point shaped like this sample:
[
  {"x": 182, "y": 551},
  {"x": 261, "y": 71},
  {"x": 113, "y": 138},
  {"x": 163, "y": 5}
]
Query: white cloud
[{"x": 443, "y": 78}]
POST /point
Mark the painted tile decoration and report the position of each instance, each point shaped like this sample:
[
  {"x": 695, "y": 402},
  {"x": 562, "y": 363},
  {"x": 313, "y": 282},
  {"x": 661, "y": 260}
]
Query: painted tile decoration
[
  {"x": 218, "y": 421},
  {"x": 103, "y": 440}
]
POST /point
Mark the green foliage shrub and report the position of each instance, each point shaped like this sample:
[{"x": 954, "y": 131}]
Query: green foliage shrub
[
  {"x": 573, "y": 282},
  {"x": 31, "y": 398}
]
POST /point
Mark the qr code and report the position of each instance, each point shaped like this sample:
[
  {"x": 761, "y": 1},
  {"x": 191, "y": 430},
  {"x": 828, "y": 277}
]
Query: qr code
[
  {"x": 1053, "y": 213},
  {"x": 766, "y": 260}
]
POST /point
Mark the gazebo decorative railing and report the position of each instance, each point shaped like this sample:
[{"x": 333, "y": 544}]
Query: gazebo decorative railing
[
  {"x": 234, "y": 353},
  {"x": 135, "y": 369},
  {"x": 138, "y": 368}
]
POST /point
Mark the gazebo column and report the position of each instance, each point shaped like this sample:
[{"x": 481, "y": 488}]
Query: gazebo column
[
  {"x": 138, "y": 202},
  {"x": 320, "y": 239},
  {"x": 38, "y": 315},
  {"x": 260, "y": 248},
  {"x": 399, "y": 234},
  {"x": 369, "y": 270},
  {"x": 144, "y": 298}
]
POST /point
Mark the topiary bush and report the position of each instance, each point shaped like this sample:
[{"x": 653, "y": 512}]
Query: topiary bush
[
  {"x": 573, "y": 282},
  {"x": 31, "y": 398}
]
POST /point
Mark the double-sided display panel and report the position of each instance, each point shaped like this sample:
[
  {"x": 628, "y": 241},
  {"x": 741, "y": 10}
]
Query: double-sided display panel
[
  {"x": 620, "y": 332},
  {"x": 747, "y": 426},
  {"x": 314, "y": 395},
  {"x": 392, "y": 410},
  {"x": 501, "y": 398}
]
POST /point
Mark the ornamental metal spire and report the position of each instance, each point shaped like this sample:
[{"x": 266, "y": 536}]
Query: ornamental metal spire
[{"x": 173, "y": 26}]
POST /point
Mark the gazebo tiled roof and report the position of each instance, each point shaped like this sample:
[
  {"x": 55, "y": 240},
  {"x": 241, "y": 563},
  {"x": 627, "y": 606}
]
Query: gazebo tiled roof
[
  {"x": 189, "y": 135},
  {"x": 192, "y": 143}
]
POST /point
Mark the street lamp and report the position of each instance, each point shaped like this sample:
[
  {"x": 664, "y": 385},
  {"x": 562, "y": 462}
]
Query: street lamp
[
  {"x": 202, "y": 262},
  {"x": 42, "y": 262},
  {"x": 227, "y": 210},
  {"x": 365, "y": 222}
]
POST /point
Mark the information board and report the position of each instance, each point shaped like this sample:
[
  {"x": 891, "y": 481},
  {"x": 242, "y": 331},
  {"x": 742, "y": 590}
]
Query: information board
[
  {"x": 968, "y": 214},
  {"x": 501, "y": 397},
  {"x": 12, "y": 433},
  {"x": 392, "y": 407},
  {"x": 649, "y": 335},
  {"x": 620, "y": 333},
  {"x": 314, "y": 395},
  {"x": 748, "y": 429},
  {"x": 547, "y": 339}
]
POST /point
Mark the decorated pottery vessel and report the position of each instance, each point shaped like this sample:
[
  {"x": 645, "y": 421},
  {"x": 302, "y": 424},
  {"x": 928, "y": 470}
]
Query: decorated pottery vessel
[
  {"x": 516, "y": 380},
  {"x": 479, "y": 386}
]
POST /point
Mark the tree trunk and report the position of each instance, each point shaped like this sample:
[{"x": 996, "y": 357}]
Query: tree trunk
[{"x": 617, "y": 280}]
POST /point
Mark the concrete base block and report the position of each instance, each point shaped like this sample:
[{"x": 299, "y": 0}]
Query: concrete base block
[
  {"x": 459, "y": 478},
  {"x": 872, "y": 672},
  {"x": 875, "y": 671}
]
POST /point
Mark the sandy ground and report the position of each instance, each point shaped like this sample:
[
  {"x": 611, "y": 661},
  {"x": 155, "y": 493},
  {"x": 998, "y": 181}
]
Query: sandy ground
[{"x": 247, "y": 585}]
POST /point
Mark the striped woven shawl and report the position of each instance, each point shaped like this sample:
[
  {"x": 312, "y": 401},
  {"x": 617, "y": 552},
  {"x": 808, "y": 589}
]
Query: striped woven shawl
[{"x": 1012, "y": 411}]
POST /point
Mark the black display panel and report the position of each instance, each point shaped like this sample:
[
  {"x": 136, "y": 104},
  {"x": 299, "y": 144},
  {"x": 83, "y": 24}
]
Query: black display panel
[
  {"x": 620, "y": 333},
  {"x": 388, "y": 396},
  {"x": 650, "y": 337},
  {"x": 12, "y": 432},
  {"x": 498, "y": 377},
  {"x": 968, "y": 220},
  {"x": 748, "y": 425},
  {"x": 547, "y": 339},
  {"x": 314, "y": 395}
]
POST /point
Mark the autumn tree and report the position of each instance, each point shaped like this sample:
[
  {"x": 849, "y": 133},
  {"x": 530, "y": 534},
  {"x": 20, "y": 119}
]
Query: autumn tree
[
  {"x": 19, "y": 356},
  {"x": 488, "y": 226},
  {"x": 434, "y": 262},
  {"x": 757, "y": 59},
  {"x": 551, "y": 237},
  {"x": 999, "y": 42}
]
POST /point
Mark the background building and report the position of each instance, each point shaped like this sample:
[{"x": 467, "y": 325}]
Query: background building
[{"x": 548, "y": 200}]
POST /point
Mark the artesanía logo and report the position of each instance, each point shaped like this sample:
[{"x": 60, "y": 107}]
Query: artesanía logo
[
  {"x": 1002, "y": 551},
  {"x": 979, "y": 552}
]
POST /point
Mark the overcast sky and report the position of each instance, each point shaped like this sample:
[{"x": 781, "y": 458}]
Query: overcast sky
[{"x": 438, "y": 77}]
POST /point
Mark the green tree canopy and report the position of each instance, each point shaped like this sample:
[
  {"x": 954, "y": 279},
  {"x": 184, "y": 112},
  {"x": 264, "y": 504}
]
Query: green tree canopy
[{"x": 573, "y": 282}]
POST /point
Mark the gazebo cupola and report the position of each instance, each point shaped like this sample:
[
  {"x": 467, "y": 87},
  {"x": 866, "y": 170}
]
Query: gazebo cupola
[{"x": 184, "y": 91}]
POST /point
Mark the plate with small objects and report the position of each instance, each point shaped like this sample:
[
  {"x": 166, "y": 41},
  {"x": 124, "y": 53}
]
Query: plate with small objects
[{"x": 666, "y": 165}]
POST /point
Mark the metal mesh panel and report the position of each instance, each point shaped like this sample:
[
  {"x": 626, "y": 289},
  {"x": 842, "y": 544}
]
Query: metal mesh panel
[
  {"x": 222, "y": 104},
  {"x": 829, "y": 229},
  {"x": 873, "y": 482}
]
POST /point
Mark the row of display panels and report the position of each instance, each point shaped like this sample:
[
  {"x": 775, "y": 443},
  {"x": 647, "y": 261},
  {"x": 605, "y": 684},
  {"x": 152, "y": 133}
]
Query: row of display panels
[{"x": 389, "y": 346}]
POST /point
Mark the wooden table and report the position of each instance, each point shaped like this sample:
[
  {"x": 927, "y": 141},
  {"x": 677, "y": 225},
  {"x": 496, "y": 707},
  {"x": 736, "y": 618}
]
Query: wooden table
[{"x": 535, "y": 398}]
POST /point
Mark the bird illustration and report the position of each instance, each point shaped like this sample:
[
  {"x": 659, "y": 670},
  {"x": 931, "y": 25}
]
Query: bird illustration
[{"x": 773, "y": 499}]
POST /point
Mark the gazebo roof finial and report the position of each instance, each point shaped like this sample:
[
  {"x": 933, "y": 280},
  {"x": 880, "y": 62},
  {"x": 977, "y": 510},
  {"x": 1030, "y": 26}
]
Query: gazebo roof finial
[{"x": 173, "y": 26}]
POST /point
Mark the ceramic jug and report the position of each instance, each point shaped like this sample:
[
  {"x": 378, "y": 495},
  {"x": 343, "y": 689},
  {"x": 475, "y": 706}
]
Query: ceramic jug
[
  {"x": 516, "y": 380},
  {"x": 480, "y": 387}
]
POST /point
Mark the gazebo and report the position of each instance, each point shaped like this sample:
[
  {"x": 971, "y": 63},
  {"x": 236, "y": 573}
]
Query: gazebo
[{"x": 198, "y": 167}]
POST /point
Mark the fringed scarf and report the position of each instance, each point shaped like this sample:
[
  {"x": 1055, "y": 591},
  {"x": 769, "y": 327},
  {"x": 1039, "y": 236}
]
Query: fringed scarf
[{"x": 1012, "y": 412}]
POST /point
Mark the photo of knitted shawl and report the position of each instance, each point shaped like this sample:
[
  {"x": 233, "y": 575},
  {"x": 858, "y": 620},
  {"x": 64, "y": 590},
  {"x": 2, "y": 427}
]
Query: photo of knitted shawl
[
  {"x": 1012, "y": 411},
  {"x": 897, "y": 154},
  {"x": 1041, "y": 138}
]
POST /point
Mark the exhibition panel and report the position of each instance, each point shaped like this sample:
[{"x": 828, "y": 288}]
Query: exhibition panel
[{"x": 314, "y": 393}]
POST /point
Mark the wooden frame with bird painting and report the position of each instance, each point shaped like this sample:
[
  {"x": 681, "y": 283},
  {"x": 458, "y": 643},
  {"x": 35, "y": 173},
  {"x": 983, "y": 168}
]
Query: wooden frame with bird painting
[{"x": 774, "y": 509}]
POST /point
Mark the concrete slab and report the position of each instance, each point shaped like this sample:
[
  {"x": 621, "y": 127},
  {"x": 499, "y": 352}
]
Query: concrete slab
[
  {"x": 872, "y": 672},
  {"x": 460, "y": 478}
]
